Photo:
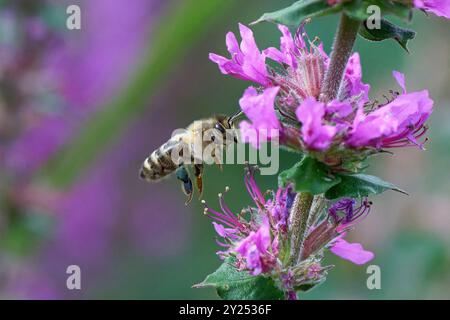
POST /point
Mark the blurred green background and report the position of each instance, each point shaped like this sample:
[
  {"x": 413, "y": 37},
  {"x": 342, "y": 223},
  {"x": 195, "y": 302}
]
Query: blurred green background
[{"x": 119, "y": 87}]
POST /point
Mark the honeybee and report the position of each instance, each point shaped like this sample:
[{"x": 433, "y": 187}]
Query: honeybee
[{"x": 186, "y": 148}]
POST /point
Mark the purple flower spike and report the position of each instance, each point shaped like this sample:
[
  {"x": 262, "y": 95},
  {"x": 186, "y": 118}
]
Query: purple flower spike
[
  {"x": 247, "y": 62},
  {"x": 353, "y": 252},
  {"x": 315, "y": 134}
]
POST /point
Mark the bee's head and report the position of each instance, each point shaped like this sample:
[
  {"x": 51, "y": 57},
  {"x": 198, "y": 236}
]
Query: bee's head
[{"x": 226, "y": 123}]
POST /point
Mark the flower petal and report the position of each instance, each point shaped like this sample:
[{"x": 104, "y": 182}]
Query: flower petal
[
  {"x": 315, "y": 134},
  {"x": 353, "y": 252},
  {"x": 400, "y": 78},
  {"x": 440, "y": 8},
  {"x": 259, "y": 108}
]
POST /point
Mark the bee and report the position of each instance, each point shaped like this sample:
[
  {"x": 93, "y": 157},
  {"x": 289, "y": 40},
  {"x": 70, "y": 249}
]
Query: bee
[{"x": 186, "y": 148}]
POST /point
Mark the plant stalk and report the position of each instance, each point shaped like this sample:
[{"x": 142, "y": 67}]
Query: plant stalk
[
  {"x": 342, "y": 49},
  {"x": 299, "y": 222}
]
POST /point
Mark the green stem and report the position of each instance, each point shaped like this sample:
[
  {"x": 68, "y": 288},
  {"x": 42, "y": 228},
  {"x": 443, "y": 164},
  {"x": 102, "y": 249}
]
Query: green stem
[
  {"x": 299, "y": 223},
  {"x": 342, "y": 49}
]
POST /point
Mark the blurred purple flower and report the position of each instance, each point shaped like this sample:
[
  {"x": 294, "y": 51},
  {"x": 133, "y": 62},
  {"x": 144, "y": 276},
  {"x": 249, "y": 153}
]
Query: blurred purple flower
[{"x": 88, "y": 69}]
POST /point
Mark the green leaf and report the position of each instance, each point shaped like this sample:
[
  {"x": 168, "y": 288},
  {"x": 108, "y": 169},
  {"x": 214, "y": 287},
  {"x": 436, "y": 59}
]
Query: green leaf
[
  {"x": 309, "y": 175},
  {"x": 359, "y": 9},
  {"x": 358, "y": 186},
  {"x": 178, "y": 32},
  {"x": 232, "y": 284},
  {"x": 299, "y": 11},
  {"x": 388, "y": 30}
]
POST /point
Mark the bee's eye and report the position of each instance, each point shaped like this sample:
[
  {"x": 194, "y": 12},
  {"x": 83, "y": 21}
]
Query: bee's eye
[{"x": 219, "y": 127}]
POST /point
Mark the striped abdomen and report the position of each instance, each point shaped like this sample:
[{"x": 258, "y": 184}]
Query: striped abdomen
[{"x": 160, "y": 164}]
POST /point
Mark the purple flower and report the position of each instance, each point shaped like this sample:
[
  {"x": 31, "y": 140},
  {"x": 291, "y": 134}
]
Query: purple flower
[
  {"x": 353, "y": 80},
  {"x": 440, "y": 8},
  {"x": 338, "y": 109},
  {"x": 279, "y": 208},
  {"x": 259, "y": 108},
  {"x": 351, "y": 213},
  {"x": 306, "y": 68},
  {"x": 396, "y": 124},
  {"x": 293, "y": 94},
  {"x": 289, "y": 50},
  {"x": 254, "y": 241},
  {"x": 226, "y": 218},
  {"x": 255, "y": 249},
  {"x": 224, "y": 232},
  {"x": 353, "y": 252},
  {"x": 344, "y": 214},
  {"x": 315, "y": 134},
  {"x": 247, "y": 62}
]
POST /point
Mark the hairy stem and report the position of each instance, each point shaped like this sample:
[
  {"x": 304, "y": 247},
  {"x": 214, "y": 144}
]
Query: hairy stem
[
  {"x": 342, "y": 49},
  {"x": 299, "y": 223}
]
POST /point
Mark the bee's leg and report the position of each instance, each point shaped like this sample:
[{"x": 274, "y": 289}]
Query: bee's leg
[
  {"x": 198, "y": 173},
  {"x": 186, "y": 183},
  {"x": 218, "y": 163},
  {"x": 217, "y": 160}
]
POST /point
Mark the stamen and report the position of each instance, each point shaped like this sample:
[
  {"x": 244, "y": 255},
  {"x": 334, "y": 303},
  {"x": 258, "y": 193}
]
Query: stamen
[
  {"x": 225, "y": 219},
  {"x": 228, "y": 213},
  {"x": 253, "y": 188}
]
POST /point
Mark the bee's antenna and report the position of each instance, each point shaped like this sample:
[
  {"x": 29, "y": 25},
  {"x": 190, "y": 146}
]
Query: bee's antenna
[{"x": 234, "y": 117}]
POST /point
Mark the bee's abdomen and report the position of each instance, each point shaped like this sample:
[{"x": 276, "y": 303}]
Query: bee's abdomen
[{"x": 159, "y": 164}]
